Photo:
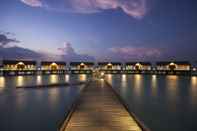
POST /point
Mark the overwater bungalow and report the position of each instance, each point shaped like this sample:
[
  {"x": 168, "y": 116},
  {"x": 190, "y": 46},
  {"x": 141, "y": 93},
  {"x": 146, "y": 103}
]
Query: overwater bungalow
[
  {"x": 110, "y": 67},
  {"x": 81, "y": 67},
  {"x": 53, "y": 67},
  {"x": 174, "y": 67},
  {"x": 137, "y": 67},
  {"x": 19, "y": 67}
]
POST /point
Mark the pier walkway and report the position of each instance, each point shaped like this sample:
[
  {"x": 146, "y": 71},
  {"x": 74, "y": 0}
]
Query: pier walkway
[{"x": 99, "y": 109}]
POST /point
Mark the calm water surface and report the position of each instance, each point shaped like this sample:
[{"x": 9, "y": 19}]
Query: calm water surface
[
  {"x": 39, "y": 109},
  {"x": 163, "y": 103}
]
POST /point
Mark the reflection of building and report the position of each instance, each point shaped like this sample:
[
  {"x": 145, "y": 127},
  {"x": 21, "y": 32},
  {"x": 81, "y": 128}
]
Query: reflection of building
[
  {"x": 81, "y": 67},
  {"x": 137, "y": 67},
  {"x": 49, "y": 67},
  {"x": 175, "y": 67},
  {"x": 110, "y": 67},
  {"x": 18, "y": 67}
]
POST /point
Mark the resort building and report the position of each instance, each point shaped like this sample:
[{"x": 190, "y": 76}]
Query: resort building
[
  {"x": 81, "y": 67},
  {"x": 138, "y": 67},
  {"x": 18, "y": 67},
  {"x": 173, "y": 67},
  {"x": 49, "y": 67},
  {"x": 110, "y": 67}
]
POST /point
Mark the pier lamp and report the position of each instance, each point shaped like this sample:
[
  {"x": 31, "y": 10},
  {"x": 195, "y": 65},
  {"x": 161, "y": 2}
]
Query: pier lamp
[{"x": 194, "y": 69}]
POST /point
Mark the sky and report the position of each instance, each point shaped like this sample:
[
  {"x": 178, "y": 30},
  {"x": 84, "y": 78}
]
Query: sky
[{"x": 146, "y": 30}]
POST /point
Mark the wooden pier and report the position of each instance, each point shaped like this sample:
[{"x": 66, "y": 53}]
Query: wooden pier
[{"x": 100, "y": 109}]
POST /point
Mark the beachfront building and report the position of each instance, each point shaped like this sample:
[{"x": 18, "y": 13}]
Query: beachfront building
[
  {"x": 177, "y": 67},
  {"x": 110, "y": 67},
  {"x": 53, "y": 67},
  {"x": 18, "y": 67},
  {"x": 81, "y": 67},
  {"x": 137, "y": 67}
]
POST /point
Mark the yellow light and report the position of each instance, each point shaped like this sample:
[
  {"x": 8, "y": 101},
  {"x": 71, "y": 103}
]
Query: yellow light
[
  {"x": 53, "y": 79},
  {"x": 154, "y": 85},
  {"x": 123, "y": 77},
  {"x": 154, "y": 76},
  {"x": 109, "y": 78},
  {"x": 138, "y": 84},
  {"x": 82, "y": 77},
  {"x": 109, "y": 64},
  {"x": 2, "y": 82},
  {"x": 67, "y": 78},
  {"x": 20, "y": 81},
  {"x": 20, "y": 63},
  {"x": 39, "y": 80},
  {"x": 53, "y": 63},
  {"x": 194, "y": 81},
  {"x": 82, "y": 64},
  {"x": 137, "y": 64},
  {"x": 172, "y": 64}
]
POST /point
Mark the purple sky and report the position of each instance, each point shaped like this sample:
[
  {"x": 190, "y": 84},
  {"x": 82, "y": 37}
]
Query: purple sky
[{"x": 103, "y": 29}]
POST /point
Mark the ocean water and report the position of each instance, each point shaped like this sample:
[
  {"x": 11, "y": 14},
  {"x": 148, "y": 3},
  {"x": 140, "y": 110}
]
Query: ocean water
[
  {"x": 36, "y": 109},
  {"x": 162, "y": 103}
]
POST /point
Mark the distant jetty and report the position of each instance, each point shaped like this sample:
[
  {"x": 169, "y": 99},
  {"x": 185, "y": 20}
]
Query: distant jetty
[{"x": 51, "y": 85}]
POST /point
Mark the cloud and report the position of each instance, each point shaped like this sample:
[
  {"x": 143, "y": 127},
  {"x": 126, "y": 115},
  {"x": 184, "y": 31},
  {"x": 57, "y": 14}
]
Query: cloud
[
  {"x": 130, "y": 52},
  {"x": 4, "y": 40},
  {"x": 134, "y": 8},
  {"x": 67, "y": 49},
  {"x": 33, "y": 3},
  {"x": 68, "y": 53}
]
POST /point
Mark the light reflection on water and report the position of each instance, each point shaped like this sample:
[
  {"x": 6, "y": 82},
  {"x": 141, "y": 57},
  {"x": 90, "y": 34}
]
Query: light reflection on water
[
  {"x": 154, "y": 85},
  {"x": 54, "y": 79},
  {"x": 109, "y": 78},
  {"x": 170, "y": 98},
  {"x": 82, "y": 77},
  {"x": 39, "y": 80},
  {"x": 2, "y": 82},
  {"x": 138, "y": 83},
  {"x": 193, "y": 90},
  {"x": 23, "y": 104},
  {"x": 172, "y": 87},
  {"x": 67, "y": 78},
  {"x": 20, "y": 81}
]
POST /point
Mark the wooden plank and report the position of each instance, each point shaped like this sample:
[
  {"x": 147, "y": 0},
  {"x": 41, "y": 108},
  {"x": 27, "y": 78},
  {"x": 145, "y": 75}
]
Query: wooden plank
[{"x": 99, "y": 109}]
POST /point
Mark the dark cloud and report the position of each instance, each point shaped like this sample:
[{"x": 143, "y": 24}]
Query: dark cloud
[
  {"x": 16, "y": 52},
  {"x": 4, "y": 40}
]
